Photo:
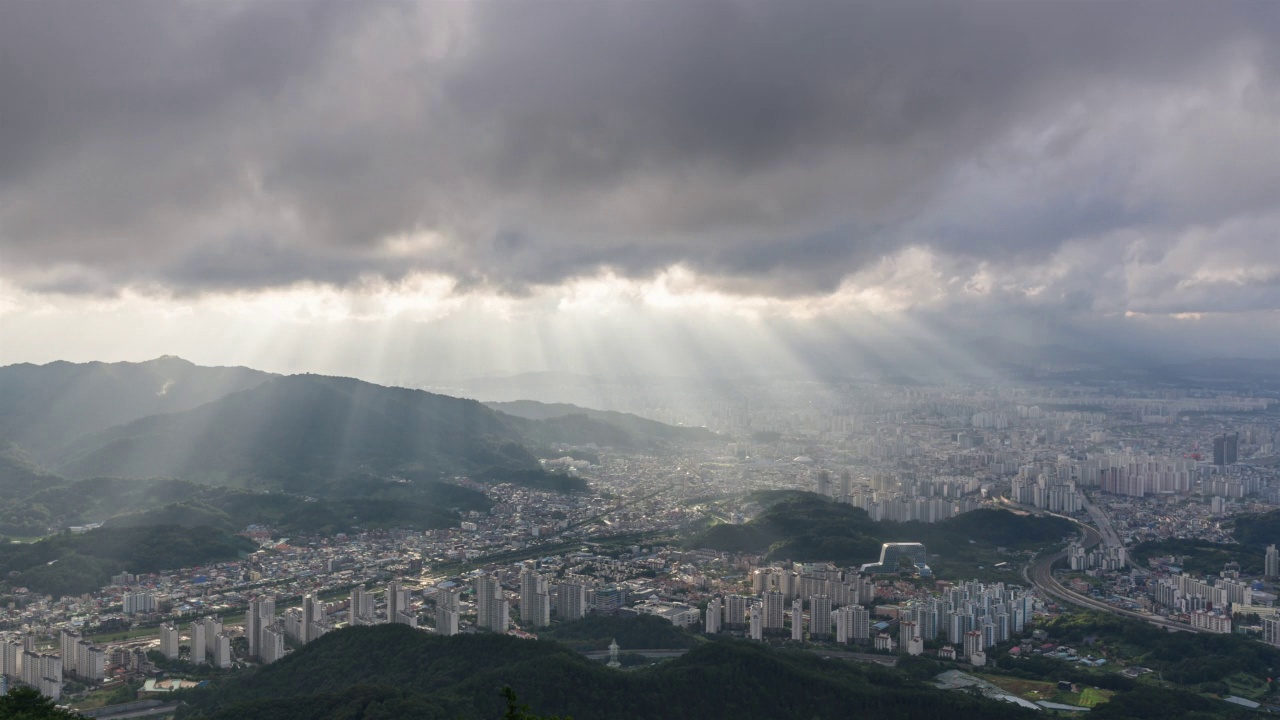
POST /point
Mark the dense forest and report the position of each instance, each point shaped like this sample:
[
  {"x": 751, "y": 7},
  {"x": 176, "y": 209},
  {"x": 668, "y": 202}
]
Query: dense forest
[
  {"x": 392, "y": 671},
  {"x": 595, "y": 632},
  {"x": 1257, "y": 531},
  {"x": 804, "y": 526},
  {"x": 70, "y": 564}
]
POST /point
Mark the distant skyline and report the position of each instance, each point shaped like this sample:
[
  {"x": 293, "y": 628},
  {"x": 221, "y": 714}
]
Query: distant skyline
[{"x": 449, "y": 189}]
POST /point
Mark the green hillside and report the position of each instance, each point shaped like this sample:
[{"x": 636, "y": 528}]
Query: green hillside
[
  {"x": 43, "y": 407},
  {"x": 805, "y": 527},
  {"x": 301, "y": 433},
  {"x": 393, "y": 671},
  {"x": 70, "y": 564}
]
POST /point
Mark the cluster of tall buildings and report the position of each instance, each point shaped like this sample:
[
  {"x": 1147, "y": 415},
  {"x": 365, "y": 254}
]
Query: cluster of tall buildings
[
  {"x": 209, "y": 643},
  {"x": 82, "y": 658},
  {"x": 972, "y": 615},
  {"x": 19, "y": 662},
  {"x": 139, "y": 602},
  {"x": 263, "y": 631},
  {"x": 1187, "y": 594},
  {"x": 904, "y": 497},
  {"x": 493, "y": 611},
  {"x": 1100, "y": 558},
  {"x": 1134, "y": 475},
  {"x": 539, "y": 599},
  {"x": 1045, "y": 490}
]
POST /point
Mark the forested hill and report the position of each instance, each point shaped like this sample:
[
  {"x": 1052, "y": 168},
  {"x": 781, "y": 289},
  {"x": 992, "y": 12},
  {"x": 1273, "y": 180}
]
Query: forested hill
[
  {"x": 294, "y": 433},
  {"x": 1256, "y": 531},
  {"x": 396, "y": 671},
  {"x": 70, "y": 564},
  {"x": 301, "y": 432},
  {"x": 635, "y": 430},
  {"x": 805, "y": 526},
  {"x": 43, "y": 407}
]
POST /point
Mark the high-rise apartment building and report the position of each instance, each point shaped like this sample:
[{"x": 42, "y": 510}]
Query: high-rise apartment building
[
  {"x": 199, "y": 643},
  {"x": 573, "y": 600},
  {"x": 819, "y": 617},
  {"x": 260, "y": 615},
  {"x": 713, "y": 616},
  {"x": 773, "y": 611},
  {"x": 735, "y": 611},
  {"x": 492, "y": 609},
  {"x": 221, "y": 651},
  {"x": 360, "y": 607},
  {"x": 535, "y": 600},
  {"x": 169, "y": 640}
]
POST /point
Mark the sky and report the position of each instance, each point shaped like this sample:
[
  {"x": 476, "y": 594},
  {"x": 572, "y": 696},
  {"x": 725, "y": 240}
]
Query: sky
[{"x": 445, "y": 189}]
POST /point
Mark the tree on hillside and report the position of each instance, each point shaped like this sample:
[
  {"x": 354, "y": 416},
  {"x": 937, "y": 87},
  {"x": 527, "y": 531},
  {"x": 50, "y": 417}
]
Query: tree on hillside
[
  {"x": 517, "y": 711},
  {"x": 24, "y": 703}
]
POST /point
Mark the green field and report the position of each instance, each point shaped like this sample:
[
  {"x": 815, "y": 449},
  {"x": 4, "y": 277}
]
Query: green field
[
  {"x": 1247, "y": 686},
  {"x": 1037, "y": 690}
]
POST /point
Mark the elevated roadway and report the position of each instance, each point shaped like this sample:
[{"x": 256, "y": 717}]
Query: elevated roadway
[{"x": 1040, "y": 574}]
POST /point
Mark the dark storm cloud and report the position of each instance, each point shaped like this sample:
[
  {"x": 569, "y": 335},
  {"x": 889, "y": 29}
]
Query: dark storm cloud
[{"x": 772, "y": 148}]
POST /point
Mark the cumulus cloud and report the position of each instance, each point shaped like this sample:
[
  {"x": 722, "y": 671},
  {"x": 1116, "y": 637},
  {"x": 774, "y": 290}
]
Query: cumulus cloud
[{"x": 1083, "y": 159}]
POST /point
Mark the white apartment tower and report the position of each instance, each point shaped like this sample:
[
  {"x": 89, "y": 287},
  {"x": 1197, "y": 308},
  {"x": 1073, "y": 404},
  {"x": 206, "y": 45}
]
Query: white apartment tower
[
  {"x": 713, "y": 616},
  {"x": 199, "y": 642},
  {"x": 169, "y": 640}
]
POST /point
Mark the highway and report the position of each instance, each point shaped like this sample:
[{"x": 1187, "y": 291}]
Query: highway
[{"x": 1040, "y": 574}]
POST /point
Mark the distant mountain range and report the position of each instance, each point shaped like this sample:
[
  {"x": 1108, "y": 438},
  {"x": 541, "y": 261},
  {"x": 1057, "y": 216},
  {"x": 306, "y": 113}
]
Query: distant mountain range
[
  {"x": 67, "y": 424},
  {"x": 43, "y": 406}
]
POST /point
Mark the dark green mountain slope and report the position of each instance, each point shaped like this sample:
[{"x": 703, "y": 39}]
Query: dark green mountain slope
[
  {"x": 804, "y": 526},
  {"x": 394, "y": 671},
  {"x": 19, "y": 472},
  {"x": 43, "y": 407},
  {"x": 71, "y": 564},
  {"x": 304, "y": 433}
]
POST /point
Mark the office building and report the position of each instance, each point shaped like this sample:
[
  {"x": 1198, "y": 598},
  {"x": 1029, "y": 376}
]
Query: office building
[{"x": 1226, "y": 449}]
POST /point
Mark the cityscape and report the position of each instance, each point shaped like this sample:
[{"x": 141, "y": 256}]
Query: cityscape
[
  {"x": 1138, "y": 477},
  {"x": 639, "y": 359}
]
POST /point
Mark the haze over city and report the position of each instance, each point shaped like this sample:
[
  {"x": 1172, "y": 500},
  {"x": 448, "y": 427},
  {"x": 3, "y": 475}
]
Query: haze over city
[
  {"x": 639, "y": 359},
  {"x": 440, "y": 190}
]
